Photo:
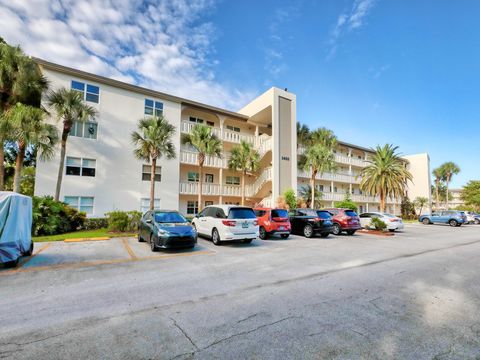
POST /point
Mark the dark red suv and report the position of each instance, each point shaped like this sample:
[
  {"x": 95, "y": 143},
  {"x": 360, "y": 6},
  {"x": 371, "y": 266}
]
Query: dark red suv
[{"x": 344, "y": 220}]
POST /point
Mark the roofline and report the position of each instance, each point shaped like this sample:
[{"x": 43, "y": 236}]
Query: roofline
[
  {"x": 135, "y": 88},
  {"x": 358, "y": 147}
]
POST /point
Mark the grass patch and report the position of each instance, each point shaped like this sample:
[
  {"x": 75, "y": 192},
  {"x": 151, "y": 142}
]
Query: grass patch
[{"x": 81, "y": 234}]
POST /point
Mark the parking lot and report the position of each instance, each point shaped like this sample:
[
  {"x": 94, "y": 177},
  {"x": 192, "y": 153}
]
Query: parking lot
[{"x": 414, "y": 295}]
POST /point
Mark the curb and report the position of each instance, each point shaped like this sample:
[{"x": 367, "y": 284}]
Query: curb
[{"x": 86, "y": 239}]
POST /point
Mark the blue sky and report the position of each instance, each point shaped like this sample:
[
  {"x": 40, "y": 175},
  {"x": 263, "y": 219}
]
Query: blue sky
[{"x": 374, "y": 71}]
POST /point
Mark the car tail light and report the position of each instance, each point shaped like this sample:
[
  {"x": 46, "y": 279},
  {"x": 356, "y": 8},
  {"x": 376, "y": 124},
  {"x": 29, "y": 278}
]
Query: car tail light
[
  {"x": 229, "y": 222},
  {"x": 317, "y": 219},
  {"x": 255, "y": 223}
]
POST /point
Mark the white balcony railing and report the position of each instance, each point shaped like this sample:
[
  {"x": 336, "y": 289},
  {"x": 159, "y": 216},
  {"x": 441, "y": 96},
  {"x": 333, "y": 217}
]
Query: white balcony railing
[
  {"x": 265, "y": 176},
  {"x": 191, "y": 157},
  {"x": 346, "y": 178},
  {"x": 228, "y": 135}
]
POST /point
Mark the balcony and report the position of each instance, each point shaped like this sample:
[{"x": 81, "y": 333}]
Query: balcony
[
  {"x": 191, "y": 157},
  {"x": 338, "y": 177},
  {"x": 227, "y": 135}
]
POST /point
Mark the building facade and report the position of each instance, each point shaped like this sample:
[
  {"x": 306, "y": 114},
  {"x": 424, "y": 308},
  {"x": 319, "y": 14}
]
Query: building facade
[{"x": 102, "y": 174}]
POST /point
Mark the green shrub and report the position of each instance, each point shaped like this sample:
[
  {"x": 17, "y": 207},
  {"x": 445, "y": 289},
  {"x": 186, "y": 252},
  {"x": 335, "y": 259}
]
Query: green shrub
[
  {"x": 52, "y": 217},
  {"x": 347, "y": 203},
  {"x": 95, "y": 223},
  {"x": 378, "y": 224},
  {"x": 290, "y": 198},
  {"x": 123, "y": 221}
]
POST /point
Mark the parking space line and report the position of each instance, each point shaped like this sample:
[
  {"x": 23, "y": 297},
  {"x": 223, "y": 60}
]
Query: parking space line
[
  {"x": 127, "y": 247},
  {"x": 27, "y": 259}
]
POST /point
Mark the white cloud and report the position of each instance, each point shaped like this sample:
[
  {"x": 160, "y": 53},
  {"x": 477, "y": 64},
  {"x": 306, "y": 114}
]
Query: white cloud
[
  {"x": 348, "y": 21},
  {"x": 165, "y": 44}
]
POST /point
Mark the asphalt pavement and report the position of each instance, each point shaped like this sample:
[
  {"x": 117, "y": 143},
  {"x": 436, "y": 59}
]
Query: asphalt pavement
[{"x": 415, "y": 295}]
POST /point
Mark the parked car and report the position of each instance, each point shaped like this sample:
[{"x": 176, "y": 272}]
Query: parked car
[
  {"x": 166, "y": 229},
  {"x": 309, "y": 222},
  {"x": 472, "y": 217},
  {"x": 272, "y": 222},
  {"x": 451, "y": 217},
  {"x": 226, "y": 223},
  {"x": 344, "y": 220},
  {"x": 393, "y": 222}
]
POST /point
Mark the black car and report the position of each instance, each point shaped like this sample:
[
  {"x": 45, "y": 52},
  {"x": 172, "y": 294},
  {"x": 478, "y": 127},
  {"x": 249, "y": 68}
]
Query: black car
[
  {"x": 308, "y": 222},
  {"x": 166, "y": 229}
]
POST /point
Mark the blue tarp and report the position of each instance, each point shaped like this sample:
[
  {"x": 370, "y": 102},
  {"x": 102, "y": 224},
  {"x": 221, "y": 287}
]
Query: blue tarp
[{"x": 15, "y": 225}]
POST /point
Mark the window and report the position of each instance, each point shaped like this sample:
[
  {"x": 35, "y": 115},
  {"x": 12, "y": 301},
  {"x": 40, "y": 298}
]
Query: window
[
  {"x": 145, "y": 204},
  {"x": 319, "y": 187},
  {"x": 233, "y": 128},
  {"x": 210, "y": 123},
  {"x": 233, "y": 180},
  {"x": 196, "y": 120},
  {"x": 208, "y": 203},
  {"x": 81, "y": 203},
  {"x": 85, "y": 129},
  {"x": 279, "y": 213},
  {"x": 153, "y": 107},
  {"x": 192, "y": 207},
  {"x": 146, "y": 173},
  {"x": 335, "y": 189},
  {"x": 241, "y": 213},
  {"x": 232, "y": 203},
  {"x": 90, "y": 93},
  {"x": 260, "y": 213},
  {"x": 80, "y": 167},
  {"x": 193, "y": 176},
  {"x": 209, "y": 178}
]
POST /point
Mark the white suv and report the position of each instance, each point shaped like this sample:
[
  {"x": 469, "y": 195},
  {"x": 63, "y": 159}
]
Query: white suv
[{"x": 226, "y": 223}]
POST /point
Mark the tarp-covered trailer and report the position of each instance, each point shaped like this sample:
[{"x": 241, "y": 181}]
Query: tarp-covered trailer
[{"x": 15, "y": 227}]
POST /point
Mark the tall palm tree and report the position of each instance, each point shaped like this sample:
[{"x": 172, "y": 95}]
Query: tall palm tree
[
  {"x": 325, "y": 137},
  {"x": 317, "y": 159},
  {"x": 246, "y": 159},
  {"x": 207, "y": 144},
  {"x": 386, "y": 175},
  {"x": 153, "y": 141},
  {"x": 69, "y": 107},
  {"x": 306, "y": 194},
  {"x": 420, "y": 202},
  {"x": 28, "y": 128},
  {"x": 440, "y": 177},
  {"x": 449, "y": 169},
  {"x": 303, "y": 134},
  {"x": 20, "y": 81}
]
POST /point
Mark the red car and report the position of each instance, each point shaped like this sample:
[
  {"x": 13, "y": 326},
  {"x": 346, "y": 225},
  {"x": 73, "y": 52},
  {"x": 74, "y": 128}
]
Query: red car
[
  {"x": 273, "y": 222},
  {"x": 344, "y": 220}
]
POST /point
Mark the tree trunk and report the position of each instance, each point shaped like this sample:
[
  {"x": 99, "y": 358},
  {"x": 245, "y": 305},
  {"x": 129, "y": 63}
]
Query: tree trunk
[
  {"x": 19, "y": 166},
  {"x": 446, "y": 195},
  {"x": 243, "y": 188},
  {"x": 63, "y": 149},
  {"x": 437, "y": 183},
  {"x": 2, "y": 168},
  {"x": 382, "y": 202},
  {"x": 201, "y": 159},
  {"x": 312, "y": 185},
  {"x": 152, "y": 183}
]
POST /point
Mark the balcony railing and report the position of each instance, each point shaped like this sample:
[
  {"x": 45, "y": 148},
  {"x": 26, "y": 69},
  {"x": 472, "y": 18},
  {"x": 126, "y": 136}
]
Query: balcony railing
[
  {"x": 339, "y": 177},
  {"x": 228, "y": 135},
  {"x": 265, "y": 176},
  {"x": 191, "y": 157}
]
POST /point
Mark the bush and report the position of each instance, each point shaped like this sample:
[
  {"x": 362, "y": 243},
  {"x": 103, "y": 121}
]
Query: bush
[
  {"x": 52, "y": 217},
  {"x": 347, "y": 203},
  {"x": 290, "y": 198},
  {"x": 123, "y": 221},
  {"x": 95, "y": 223},
  {"x": 378, "y": 224}
]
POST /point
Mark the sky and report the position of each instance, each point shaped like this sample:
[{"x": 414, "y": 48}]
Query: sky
[{"x": 374, "y": 71}]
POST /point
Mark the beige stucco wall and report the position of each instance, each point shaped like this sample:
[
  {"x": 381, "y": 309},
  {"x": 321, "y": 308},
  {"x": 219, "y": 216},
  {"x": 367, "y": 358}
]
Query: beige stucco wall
[{"x": 419, "y": 167}]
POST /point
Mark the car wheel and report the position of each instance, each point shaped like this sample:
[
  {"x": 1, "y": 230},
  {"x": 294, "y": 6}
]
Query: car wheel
[
  {"x": 426, "y": 221},
  {"x": 453, "y": 223},
  {"x": 262, "y": 233},
  {"x": 351, "y": 232},
  {"x": 11, "y": 264},
  {"x": 324, "y": 235},
  {"x": 153, "y": 247},
  {"x": 216, "y": 237},
  {"x": 140, "y": 239},
  {"x": 336, "y": 229},
  {"x": 391, "y": 230},
  {"x": 247, "y": 241},
  {"x": 308, "y": 231},
  {"x": 284, "y": 236},
  {"x": 477, "y": 222},
  {"x": 30, "y": 251}
]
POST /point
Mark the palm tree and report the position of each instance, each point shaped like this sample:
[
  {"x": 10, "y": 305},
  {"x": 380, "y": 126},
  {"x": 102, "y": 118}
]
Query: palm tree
[
  {"x": 303, "y": 134},
  {"x": 69, "y": 107},
  {"x": 386, "y": 175},
  {"x": 325, "y": 137},
  {"x": 246, "y": 159},
  {"x": 207, "y": 144},
  {"x": 420, "y": 202},
  {"x": 306, "y": 194},
  {"x": 449, "y": 169},
  {"x": 20, "y": 81},
  {"x": 28, "y": 128},
  {"x": 317, "y": 159},
  {"x": 153, "y": 141},
  {"x": 440, "y": 177}
]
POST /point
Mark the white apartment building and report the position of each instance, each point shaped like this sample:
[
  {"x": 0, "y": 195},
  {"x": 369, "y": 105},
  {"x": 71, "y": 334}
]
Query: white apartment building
[
  {"x": 102, "y": 174},
  {"x": 456, "y": 199}
]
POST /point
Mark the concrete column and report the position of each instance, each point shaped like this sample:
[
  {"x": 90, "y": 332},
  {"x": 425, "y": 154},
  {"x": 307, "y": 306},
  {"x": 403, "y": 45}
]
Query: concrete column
[
  {"x": 221, "y": 185},
  {"x": 257, "y": 136},
  {"x": 351, "y": 190},
  {"x": 367, "y": 207}
]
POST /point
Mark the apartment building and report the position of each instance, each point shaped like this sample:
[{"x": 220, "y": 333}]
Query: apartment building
[
  {"x": 456, "y": 199},
  {"x": 102, "y": 174}
]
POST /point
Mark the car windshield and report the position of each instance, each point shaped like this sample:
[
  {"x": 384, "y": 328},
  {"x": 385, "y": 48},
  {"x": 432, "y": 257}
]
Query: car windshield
[
  {"x": 389, "y": 215},
  {"x": 324, "y": 215},
  {"x": 350, "y": 213},
  {"x": 241, "y": 213},
  {"x": 279, "y": 213},
  {"x": 169, "y": 217}
]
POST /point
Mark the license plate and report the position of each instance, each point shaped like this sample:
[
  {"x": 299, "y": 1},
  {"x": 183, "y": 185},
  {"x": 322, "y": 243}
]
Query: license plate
[
  {"x": 282, "y": 228},
  {"x": 245, "y": 225}
]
